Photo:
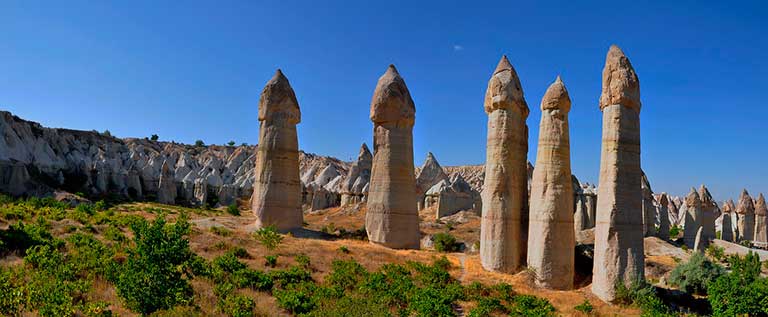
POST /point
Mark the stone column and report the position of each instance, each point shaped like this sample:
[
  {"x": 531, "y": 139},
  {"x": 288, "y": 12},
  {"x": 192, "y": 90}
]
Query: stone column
[
  {"x": 166, "y": 188},
  {"x": 551, "y": 247},
  {"x": 505, "y": 189},
  {"x": 619, "y": 254},
  {"x": 761, "y": 222},
  {"x": 649, "y": 210},
  {"x": 726, "y": 232},
  {"x": 392, "y": 219},
  {"x": 746, "y": 213},
  {"x": 663, "y": 209},
  {"x": 709, "y": 213},
  {"x": 276, "y": 188},
  {"x": 692, "y": 218}
]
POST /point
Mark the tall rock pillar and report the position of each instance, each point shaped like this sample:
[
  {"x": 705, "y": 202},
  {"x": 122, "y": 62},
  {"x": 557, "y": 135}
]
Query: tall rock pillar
[
  {"x": 663, "y": 209},
  {"x": 166, "y": 187},
  {"x": 726, "y": 232},
  {"x": 746, "y": 213},
  {"x": 709, "y": 213},
  {"x": 649, "y": 210},
  {"x": 276, "y": 188},
  {"x": 505, "y": 188},
  {"x": 761, "y": 222},
  {"x": 693, "y": 218},
  {"x": 552, "y": 242},
  {"x": 392, "y": 219},
  {"x": 619, "y": 250}
]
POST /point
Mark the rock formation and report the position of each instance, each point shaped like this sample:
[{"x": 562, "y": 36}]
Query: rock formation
[
  {"x": 450, "y": 196},
  {"x": 649, "y": 209},
  {"x": 357, "y": 178},
  {"x": 699, "y": 244},
  {"x": 505, "y": 194},
  {"x": 166, "y": 193},
  {"x": 277, "y": 188},
  {"x": 428, "y": 175},
  {"x": 392, "y": 219},
  {"x": 692, "y": 217},
  {"x": 726, "y": 227},
  {"x": 709, "y": 213},
  {"x": 663, "y": 212},
  {"x": 761, "y": 222},
  {"x": 619, "y": 246},
  {"x": 551, "y": 249},
  {"x": 746, "y": 213}
]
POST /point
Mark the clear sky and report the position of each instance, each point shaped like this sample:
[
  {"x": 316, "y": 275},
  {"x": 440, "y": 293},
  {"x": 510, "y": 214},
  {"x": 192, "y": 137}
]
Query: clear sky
[{"x": 190, "y": 70}]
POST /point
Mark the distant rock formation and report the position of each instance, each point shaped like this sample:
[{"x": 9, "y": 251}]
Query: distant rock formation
[
  {"x": 693, "y": 217},
  {"x": 761, "y": 223},
  {"x": 663, "y": 214},
  {"x": 392, "y": 218},
  {"x": 450, "y": 196},
  {"x": 166, "y": 192},
  {"x": 726, "y": 226},
  {"x": 619, "y": 256},
  {"x": 277, "y": 188},
  {"x": 649, "y": 209},
  {"x": 709, "y": 213},
  {"x": 354, "y": 188},
  {"x": 427, "y": 176},
  {"x": 505, "y": 195},
  {"x": 746, "y": 213}
]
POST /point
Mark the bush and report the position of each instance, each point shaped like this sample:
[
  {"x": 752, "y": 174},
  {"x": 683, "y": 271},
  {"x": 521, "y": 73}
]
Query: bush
[
  {"x": 233, "y": 210},
  {"x": 268, "y": 237},
  {"x": 228, "y": 262},
  {"x": 256, "y": 280},
  {"x": 237, "y": 305},
  {"x": 742, "y": 291},
  {"x": 11, "y": 294},
  {"x": 717, "y": 253},
  {"x": 199, "y": 143},
  {"x": 695, "y": 275},
  {"x": 345, "y": 275},
  {"x": 20, "y": 237},
  {"x": 297, "y": 298},
  {"x": 159, "y": 252},
  {"x": 344, "y": 249},
  {"x": 585, "y": 307},
  {"x": 643, "y": 295},
  {"x": 303, "y": 260},
  {"x": 529, "y": 305},
  {"x": 220, "y": 231},
  {"x": 674, "y": 231},
  {"x": 270, "y": 260},
  {"x": 445, "y": 242},
  {"x": 154, "y": 137}
]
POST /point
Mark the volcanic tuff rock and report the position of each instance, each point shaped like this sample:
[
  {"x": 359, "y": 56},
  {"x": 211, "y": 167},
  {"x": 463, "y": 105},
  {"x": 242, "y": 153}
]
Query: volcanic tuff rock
[
  {"x": 649, "y": 209},
  {"x": 166, "y": 193},
  {"x": 277, "y": 188},
  {"x": 663, "y": 213},
  {"x": 746, "y": 213},
  {"x": 692, "y": 217},
  {"x": 450, "y": 196},
  {"x": 619, "y": 254},
  {"x": 761, "y": 222},
  {"x": 428, "y": 175},
  {"x": 709, "y": 213},
  {"x": 392, "y": 217},
  {"x": 505, "y": 194},
  {"x": 551, "y": 249},
  {"x": 357, "y": 178}
]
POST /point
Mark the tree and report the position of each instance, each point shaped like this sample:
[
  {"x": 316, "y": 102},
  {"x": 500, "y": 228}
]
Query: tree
[
  {"x": 199, "y": 143},
  {"x": 107, "y": 133},
  {"x": 154, "y": 137},
  {"x": 231, "y": 143}
]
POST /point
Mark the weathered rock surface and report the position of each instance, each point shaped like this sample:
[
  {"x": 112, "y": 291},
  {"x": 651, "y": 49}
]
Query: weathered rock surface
[
  {"x": 427, "y": 176},
  {"x": 357, "y": 178},
  {"x": 709, "y": 213},
  {"x": 451, "y": 196},
  {"x": 166, "y": 193},
  {"x": 392, "y": 218},
  {"x": 761, "y": 222},
  {"x": 692, "y": 217},
  {"x": 726, "y": 222},
  {"x": 505, "y": 194},
  {"x": 745, "y": 210},
  {"x": 649, "y": 209},
  {"x": 699, "y": 244},
  {"x": 277, "y": 188},
  {"x": 619, "y": 254},
  {"x": 663, "y": 214},
  {"x": 551, "y": 248}
]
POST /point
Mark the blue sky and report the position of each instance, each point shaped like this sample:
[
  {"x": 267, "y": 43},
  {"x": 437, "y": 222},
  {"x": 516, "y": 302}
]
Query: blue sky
[{"x": 194, "y": 70}]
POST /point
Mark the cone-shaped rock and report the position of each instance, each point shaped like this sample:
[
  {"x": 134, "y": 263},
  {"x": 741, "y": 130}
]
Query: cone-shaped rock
[
  {"x": 430, "y": 174},
  {"x": 692, "y": 217},
  {"x": 505, "y": 188},
  {"x": 726, "y": 232},
  {"x": 746, "y": 213},
  {"x": 358, "y": 176},
  {"x": 663, "y": 209},
  {"x": 709, "y": 213},
  {"x": 392, "y": 219},
  {"x": 277, "y": 189},
  {"x": 551, "y": 247},
  {"x": 761, "y": 223},
  {"x": 619, "y": 246},
  {"x": 166, "y": 189}
]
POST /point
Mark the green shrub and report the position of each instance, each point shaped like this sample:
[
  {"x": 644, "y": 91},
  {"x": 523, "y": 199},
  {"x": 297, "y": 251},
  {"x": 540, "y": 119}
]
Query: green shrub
[
  {"x": 297, "y": 298},
  {"x": 303, "y": 260},
  {"x": 292, "y": 275},
  {"x": 228, "y": 262},
  {"x": 643, "y": 295},
  {"x": 742, "y": 291},
  {"x": 695, "y": 275},
  {"x": 674, "y": 231},
  {"x": 268, "y": 237},
  {"x": 344, "y": 249},
  {"x": 717, "y": 253},
  {"x": 350, "y": 306},
  {"x": 270, "y": 260},
  {"x": 233, "y": 210},
  {"x": 241, "y": 253},
  {"x": 256, "y": 280},
  {"x": 159, "y": 251},
  {"x": 11, "y": 293},
  {"x": 445, "y": 242},
  {"x": 529, "y": 305},
  {"x": 221, "y": 231},
  {"x": 345, "y": 275},
  {"x": 89, "y": 256},
  {"x": 236, "y": 305},
  {"x": 113, "y": 233},
  {"x": 585, "y": 307},
  {"x": 20, "y": 236}
]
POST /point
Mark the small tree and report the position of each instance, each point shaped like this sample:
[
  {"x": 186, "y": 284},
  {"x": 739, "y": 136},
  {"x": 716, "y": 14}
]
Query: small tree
[
  {"x": 154, "y": 137},
  {"x": 268, "y": 237},
  {"x": 231, "y": 143},
  {"x": 695, "y": 275},
  {"x": 107, "y": 133},
  {"x": 199, "y": 143}
]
